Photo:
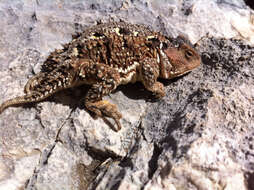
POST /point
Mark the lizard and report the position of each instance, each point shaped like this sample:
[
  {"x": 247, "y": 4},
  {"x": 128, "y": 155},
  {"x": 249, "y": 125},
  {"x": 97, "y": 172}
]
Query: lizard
[{"x": 105, "y": 56}]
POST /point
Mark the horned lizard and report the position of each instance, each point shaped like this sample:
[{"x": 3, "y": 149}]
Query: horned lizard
[{"x": 106, "y": 56}]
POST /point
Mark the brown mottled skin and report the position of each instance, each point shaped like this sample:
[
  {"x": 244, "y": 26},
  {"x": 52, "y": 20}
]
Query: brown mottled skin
[{"x": 106, "y": 56}]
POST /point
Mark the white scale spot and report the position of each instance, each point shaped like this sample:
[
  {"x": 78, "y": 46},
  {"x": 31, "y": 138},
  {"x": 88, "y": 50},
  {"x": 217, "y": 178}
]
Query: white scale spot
[
  {"x": 93, "y": 37},
  {"x": 161, "y": 45},
  {"x": 135, "y": 33},
  {"x": 128, "y": 78},
  {"x": 158, "y": 58},
  {"x": 75, "y": 52},
  {"x": 117, "y": 30},
  {"x": 162, "y": 53},
  {"x": 131, "y": 67},
  {"x": 150, "y": 37}
]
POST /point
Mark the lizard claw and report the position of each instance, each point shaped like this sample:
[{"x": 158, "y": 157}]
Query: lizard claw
[{"x": 104, "y": 108}]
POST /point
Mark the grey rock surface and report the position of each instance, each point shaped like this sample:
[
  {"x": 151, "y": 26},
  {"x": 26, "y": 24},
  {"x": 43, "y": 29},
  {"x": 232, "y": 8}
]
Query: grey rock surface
[{"x": 200, "y": 136}]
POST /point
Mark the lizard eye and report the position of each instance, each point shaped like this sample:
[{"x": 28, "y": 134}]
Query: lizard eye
[{"x": 188, "y": 54}]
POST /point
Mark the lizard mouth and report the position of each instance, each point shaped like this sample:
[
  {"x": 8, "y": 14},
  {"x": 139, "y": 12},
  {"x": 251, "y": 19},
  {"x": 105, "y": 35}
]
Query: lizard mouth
[{"x": 178, "y": 73}]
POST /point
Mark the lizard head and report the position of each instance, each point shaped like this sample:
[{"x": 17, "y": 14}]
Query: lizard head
[{"x": 178, "y": 57}]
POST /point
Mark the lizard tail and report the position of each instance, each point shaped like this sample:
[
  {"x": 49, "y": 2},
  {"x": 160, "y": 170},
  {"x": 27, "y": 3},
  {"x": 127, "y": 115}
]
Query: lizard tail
[{"x": 29, "y": 98}]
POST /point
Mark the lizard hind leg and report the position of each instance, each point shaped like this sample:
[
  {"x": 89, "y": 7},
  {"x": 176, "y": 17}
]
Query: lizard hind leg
[{"x": 31, "y": 83}]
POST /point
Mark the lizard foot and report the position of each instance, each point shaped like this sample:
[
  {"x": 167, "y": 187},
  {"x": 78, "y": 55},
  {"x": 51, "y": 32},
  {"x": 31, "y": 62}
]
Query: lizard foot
[
  {"x": 157, "y": 89},
  {"x": 104, "y": 108}
]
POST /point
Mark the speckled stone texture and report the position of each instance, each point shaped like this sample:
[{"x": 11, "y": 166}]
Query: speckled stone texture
[
  {"x": 200, "y": 136},
  {"x": 208, "y": 126}
]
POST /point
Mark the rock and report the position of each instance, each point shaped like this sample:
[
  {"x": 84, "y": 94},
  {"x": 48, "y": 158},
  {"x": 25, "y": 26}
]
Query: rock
[
  {"x": 208, "y": 134},
  {"x": 200, "y": 136}
]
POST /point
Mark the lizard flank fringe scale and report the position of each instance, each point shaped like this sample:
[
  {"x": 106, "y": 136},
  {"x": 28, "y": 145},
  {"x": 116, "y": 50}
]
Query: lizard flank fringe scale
[{"x": 106, "y": 56}]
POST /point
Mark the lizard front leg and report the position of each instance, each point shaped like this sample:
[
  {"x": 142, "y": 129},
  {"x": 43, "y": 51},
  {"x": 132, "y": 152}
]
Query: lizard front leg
[
  {"x": 107, "y": 79},
  {"x": 149, "y": 74}
]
